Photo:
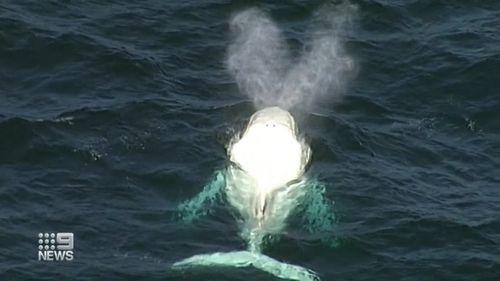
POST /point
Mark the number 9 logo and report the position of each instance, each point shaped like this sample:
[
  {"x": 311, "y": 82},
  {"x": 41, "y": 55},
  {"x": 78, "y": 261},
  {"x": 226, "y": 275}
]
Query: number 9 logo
[{"x": 64, "y": 241}]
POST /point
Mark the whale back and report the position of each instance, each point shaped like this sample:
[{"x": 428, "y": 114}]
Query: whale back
[
  {"x": 264, "y": 182},
  {"x": 270, "y": 150}
]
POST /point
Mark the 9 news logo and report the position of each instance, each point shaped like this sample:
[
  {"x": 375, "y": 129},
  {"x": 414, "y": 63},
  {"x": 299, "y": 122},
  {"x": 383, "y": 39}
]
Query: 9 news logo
[{"x": 55, "y": 246}]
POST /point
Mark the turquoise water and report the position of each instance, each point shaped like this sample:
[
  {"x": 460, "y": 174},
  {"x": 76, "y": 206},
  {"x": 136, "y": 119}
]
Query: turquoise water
[{"x": 112, "y": 114}]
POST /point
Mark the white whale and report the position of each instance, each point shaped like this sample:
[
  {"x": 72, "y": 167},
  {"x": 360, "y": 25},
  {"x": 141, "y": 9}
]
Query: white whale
[
  {"x": 271, "y": 153},
  {"x": 269, "y": 159},
  {"x": 263, "y": 183}
]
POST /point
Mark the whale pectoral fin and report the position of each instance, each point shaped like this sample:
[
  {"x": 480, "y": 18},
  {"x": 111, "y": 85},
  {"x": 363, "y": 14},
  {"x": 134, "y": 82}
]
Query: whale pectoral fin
[
  {"x": 198, "y": 206},
  {"x": 318, "y": 216}
]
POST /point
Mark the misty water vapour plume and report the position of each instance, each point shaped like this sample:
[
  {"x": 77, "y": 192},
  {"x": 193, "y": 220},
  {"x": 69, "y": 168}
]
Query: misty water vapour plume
[{"x": 260, "y": 61}]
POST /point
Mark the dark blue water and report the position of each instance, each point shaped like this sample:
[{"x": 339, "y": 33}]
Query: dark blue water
[{"x": 111, "y": 114}]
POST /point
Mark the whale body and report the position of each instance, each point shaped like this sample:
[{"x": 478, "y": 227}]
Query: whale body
[
  {"x": 270, "y": 151},
  {"x": 263, "y": 183},
  {"x": 271, "y": 155}
]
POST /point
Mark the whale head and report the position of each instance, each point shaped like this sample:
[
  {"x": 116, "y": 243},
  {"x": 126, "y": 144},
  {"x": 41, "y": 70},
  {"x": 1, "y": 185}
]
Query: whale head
[
  {"x": 273, "y": 118},
  {"x": 270, "y": 154},
  {"x": 270, "y": 150}
]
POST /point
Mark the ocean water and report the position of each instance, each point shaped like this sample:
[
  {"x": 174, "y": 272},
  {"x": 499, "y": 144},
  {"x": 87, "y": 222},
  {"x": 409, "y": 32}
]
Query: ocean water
[{"x": 112, "y": 114}]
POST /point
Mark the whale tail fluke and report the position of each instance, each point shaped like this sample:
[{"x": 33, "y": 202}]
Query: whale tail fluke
[{"x": 247, "y": 258}]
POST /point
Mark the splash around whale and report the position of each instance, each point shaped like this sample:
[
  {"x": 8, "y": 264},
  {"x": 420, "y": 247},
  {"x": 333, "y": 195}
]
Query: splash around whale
[{"x": 264, "y": 183}]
